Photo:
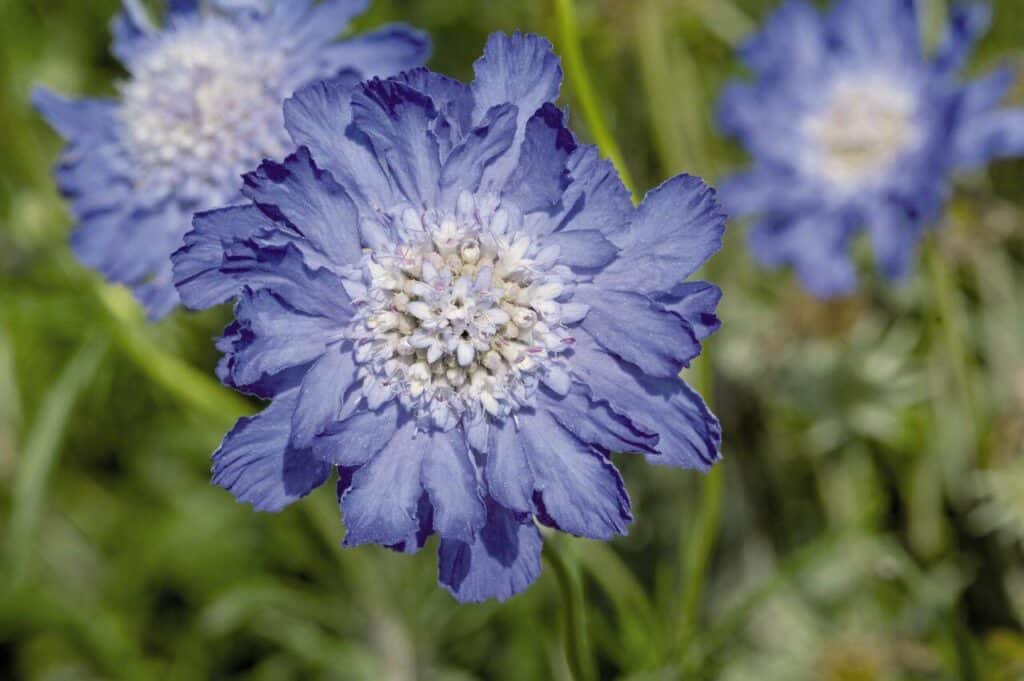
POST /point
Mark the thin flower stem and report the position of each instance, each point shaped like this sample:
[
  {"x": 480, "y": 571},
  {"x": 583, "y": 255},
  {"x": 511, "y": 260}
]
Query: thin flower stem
[
  {"x": 577, "y": 645},
  {"x": 190, "y": 386},
  {"x": 698, "y": 543},
  {"x": 943, "y": 290},
  {"x": 559, "y": 556},
  {"x": 579, "y": 80},
  {"x": 699, "y": 549}
]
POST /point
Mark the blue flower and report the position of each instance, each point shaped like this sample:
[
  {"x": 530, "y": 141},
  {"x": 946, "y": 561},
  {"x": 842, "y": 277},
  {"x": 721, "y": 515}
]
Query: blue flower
[
  {"x": 456, "y": 304},
  {"x": 201, "y": 105},
  {"x": 853, "y": 126}
]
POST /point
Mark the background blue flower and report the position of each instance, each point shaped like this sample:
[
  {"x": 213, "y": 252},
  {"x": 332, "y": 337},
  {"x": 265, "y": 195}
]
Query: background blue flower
[
  {"x": 455, "y": 303},
  {"x": 201, "y": 105},
  {"x": 854, "y": 125}
]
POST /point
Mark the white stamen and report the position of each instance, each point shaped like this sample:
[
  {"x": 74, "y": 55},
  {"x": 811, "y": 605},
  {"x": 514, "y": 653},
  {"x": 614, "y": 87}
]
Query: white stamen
[
  {"x": 208, "y": 91},
  {"x": 868, "y": 124},
  {"x": 452, "y": 315}
]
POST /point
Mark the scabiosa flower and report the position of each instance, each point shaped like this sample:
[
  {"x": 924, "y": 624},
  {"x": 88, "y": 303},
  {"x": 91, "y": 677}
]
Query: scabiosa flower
[
  {"x": 853, "y": 126},
  {"x": 456, "y": 304},
  {"x": 202, "y": 105}
]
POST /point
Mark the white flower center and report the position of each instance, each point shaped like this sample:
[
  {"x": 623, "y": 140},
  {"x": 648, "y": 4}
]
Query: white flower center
[
  {"x": 462, "y": 317},
  {"x": 202, "y": 107},
  {"x": 867, "y": 125}
]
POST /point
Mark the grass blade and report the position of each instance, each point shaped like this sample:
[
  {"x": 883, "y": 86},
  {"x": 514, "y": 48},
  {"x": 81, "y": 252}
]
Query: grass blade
[
  {"x": 579, "y": 79},
  {"x": 40, "y": 451}
]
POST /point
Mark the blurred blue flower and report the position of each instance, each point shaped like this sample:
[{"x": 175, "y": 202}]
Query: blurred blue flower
[
  {"x": 202, "y": 105},
  {"x": 457, "y": 305},
  {"x": 853, "y": 126}
]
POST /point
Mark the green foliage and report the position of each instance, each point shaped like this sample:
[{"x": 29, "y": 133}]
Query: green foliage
[{"x": 871, "y": 517}]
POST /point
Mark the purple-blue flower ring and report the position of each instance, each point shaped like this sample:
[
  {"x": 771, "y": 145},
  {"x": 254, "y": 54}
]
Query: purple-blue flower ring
[
  {"x": 201, "y": 105},
  {"x": 853, "y": 126},
  {"x": 456, "y": 304}
]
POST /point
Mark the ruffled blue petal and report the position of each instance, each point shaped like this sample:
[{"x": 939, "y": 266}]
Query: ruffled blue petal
[
  {"x": 677, "y": 228},
  {"x": 424, "y": 513},
  {"x": 415, "y": 541},
  {"x": 449, "y": 476},
  {"x": 877, "y": 30},
  {"x": 381, "y": 505},
  {"x": 816, "y": 244},
  {"x": 310, "y": 202},
  {"x": 318, "y": 25},
  {"x": 396, "y": 119},
  {"x": 967, "y": 23},
  {"x": 987, "y": 132},
  {"x": 765, "y": 188},
  {"x": 197, "y": 264},
  {"x": 158, "y": 295},
  {"x": 316, "y": 113},
  {"x": 384, "y": 51},
  {"x": 75, "y": 119},
  {"x": 452, "y": 98},
  {"x": 128, "y": 246},
  {"x": 355, "y": 440},
  {"x": 117, "y": 246},
  {"x": 270, "y": 337},
  {"x": 637, "y": 330},
  {"x": 696, "y": 303},
  {"x": 516, "y": 69},
  {"x": 317, "y": 117},
  {"x": 504, "y": 560},
  {"x": 576, "y": 488},
  {"x": 320, "y": 397},
  {"x": 999, "y": 134},
  {"x": 256, "y": 464},
  {"x": 178, "y": 8},
  {"x": 233, "y": 248},
  {"x": 542, "y": 174},
  {"x": 766, "y": 116},
  {"x": 592, "y": 422},
  {"x": 894, "y": 237},
  {"x": 583, "y": 249},
  {"x": 132, "y": 30},
  {"x": 464, "y": 168},
  {"x": 689, "y": 434},
  {"x": 595, "y": 197},
  {"x": 507, "y": 470},
  {"x": 793, "y": 40}
]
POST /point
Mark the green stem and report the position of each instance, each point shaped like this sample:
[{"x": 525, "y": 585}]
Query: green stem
[
  {"x": 697, "y": 556},
  {"x": 641, "y": 639},
  {"x": 947, "y": 314},
  {"x": 579, "y": 80},
  {"x": 570, "y": 584},
  {"x": 699, "y": 546},
  {"x": 559, "y": 557},
  {"x": 185, "y": 383}
]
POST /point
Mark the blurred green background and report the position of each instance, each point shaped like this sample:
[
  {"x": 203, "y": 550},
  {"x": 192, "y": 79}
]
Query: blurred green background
[{"x": 867, "y": 523}]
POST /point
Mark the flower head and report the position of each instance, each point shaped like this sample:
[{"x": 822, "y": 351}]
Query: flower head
[
  {"x": 854, "y": 126},
  {"x": 455, "y": 303},
  {"x": 201, "y": 105}
]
